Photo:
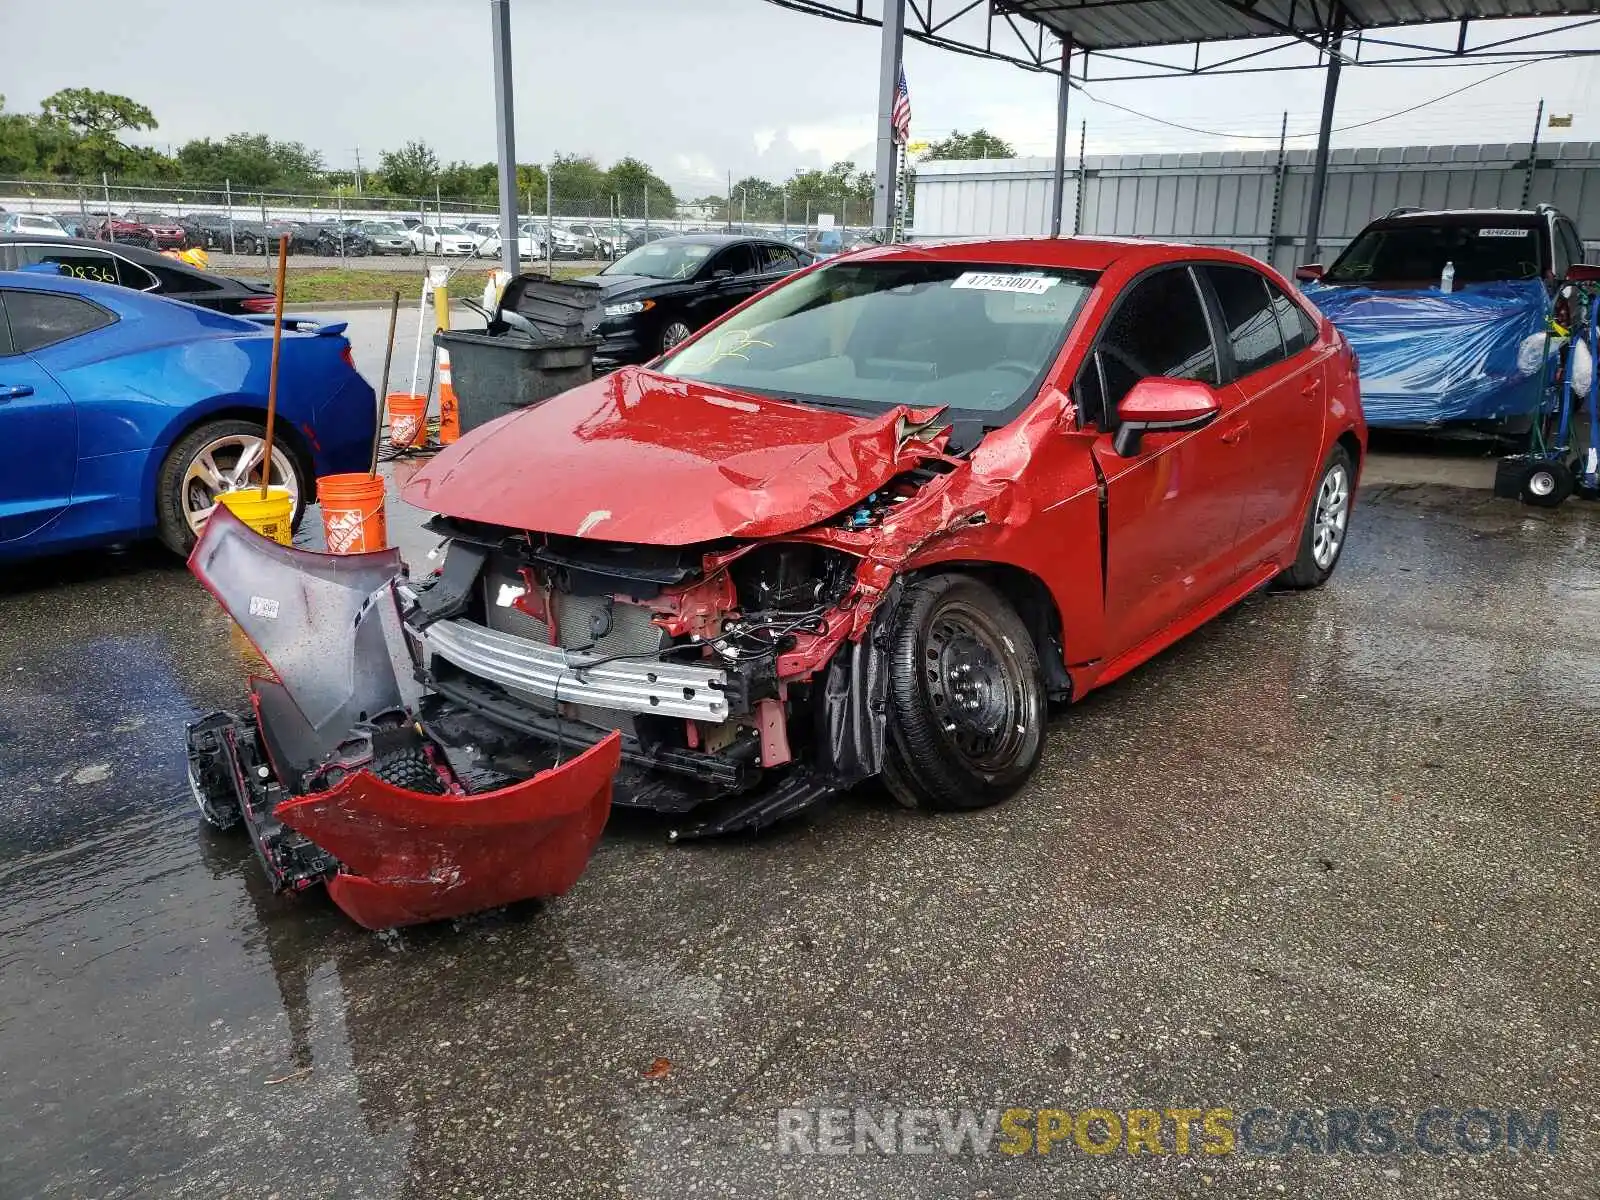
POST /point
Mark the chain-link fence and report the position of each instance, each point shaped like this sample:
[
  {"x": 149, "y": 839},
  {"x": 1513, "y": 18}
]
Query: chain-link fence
[{"x": 250, "y": 222}]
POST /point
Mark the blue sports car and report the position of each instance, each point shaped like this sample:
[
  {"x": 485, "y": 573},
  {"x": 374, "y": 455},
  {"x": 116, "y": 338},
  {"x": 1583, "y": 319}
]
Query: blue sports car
[{"x": 125, "y": 415}]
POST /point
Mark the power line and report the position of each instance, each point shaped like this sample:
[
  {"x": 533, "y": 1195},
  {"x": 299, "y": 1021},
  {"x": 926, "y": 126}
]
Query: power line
[{"x": 1272, "y": 137}]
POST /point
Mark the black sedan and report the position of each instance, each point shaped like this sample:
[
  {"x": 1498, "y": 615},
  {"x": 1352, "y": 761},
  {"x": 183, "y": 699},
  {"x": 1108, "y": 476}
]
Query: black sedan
[
  {"x": 134, "y": 267},
  {"x": 661, "y": 292}
]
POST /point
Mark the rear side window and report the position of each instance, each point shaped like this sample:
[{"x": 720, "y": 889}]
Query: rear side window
[
  {"x": 1298, "y": 330},
  {"x": 1248, "y": 320},
  {"x": 1570, "y": 240},
  {"x": 775, "y": 258},
  {"x": 1159, "y": 328},
  {"x": 96, "y": 266},
  {"x": 40, "y": 319}
]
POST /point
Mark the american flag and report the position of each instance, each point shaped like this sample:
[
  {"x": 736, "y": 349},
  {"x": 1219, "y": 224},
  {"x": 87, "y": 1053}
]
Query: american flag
[{"x": 900, "y": 117}]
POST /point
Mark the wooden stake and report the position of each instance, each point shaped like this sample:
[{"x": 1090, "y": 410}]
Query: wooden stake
[
  {"x": 383, "y": 382},
  {"x": 277, "y": 349}
]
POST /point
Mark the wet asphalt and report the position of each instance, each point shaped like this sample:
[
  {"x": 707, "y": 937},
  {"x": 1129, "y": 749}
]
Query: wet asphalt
[{"x": 1336, "y": 849}]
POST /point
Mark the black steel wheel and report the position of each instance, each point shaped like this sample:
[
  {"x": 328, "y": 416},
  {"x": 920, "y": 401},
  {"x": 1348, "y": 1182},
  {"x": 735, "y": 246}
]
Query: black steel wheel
[
  {"x": 966, "y": 697},
  {"x": 1546, "y": 483}
]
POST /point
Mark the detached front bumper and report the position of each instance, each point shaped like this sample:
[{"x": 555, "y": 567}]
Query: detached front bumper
[
  {"x": 389, "y": 855},
  {"x": 336, "y": 774}
]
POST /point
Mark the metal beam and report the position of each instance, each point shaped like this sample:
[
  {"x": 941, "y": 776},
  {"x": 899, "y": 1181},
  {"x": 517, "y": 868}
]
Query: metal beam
[
  {"x": 894, "y": 29},
  {"x": 505, "y": 134},
  {"x": 1319, "y": 173},
  {"x": 1063, "y": 93}
]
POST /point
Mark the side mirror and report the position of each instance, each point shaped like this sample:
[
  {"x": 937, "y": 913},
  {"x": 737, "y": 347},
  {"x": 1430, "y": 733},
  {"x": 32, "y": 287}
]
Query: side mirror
[
  {"x": 1157, "y": 404},
  {"x": 1583, "y": 273},
  {"x": 1309, "y": 273}
]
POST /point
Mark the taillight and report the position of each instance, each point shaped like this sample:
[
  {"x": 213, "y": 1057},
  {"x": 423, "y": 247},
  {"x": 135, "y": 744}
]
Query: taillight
[
  {"x": 348, "y": 356},
  {"x": 261, "y": 304}
]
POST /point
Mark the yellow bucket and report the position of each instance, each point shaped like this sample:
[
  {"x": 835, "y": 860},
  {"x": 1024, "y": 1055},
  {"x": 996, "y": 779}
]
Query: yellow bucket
[{"x": 271, "y": 518}]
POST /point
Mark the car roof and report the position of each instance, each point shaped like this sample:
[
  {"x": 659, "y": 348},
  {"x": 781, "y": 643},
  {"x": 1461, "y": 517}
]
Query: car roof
[
  {"x": 1463, "y": 216},
  {"x": 136, "y": 254},
  {"x": 1070, "y": 253}
]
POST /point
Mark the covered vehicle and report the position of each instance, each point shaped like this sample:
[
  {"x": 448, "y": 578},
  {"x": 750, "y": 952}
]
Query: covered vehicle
[
  {"x": 133, "y": 413},
  {"x": 1437, "y": 305},
  {"x": 867, "y": 525}
]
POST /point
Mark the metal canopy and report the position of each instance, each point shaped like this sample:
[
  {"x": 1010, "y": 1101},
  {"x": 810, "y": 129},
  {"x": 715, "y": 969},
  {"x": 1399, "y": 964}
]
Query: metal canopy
[
  {"x": 1137, "y": 24},
  {"x": 1047, "y": 35},
  {"x": 1030, "y": 33}
]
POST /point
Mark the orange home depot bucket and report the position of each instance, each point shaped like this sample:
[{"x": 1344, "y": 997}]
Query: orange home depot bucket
[
  {"x": 408, "y": 419},
  {"x": 271, "y": 518},
  {"x": 352, "y": 513}
]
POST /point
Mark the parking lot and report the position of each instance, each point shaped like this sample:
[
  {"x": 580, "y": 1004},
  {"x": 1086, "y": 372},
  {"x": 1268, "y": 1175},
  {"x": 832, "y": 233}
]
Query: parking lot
[{"x": 1334, "y": 849}]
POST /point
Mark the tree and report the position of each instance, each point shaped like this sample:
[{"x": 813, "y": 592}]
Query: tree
[
  {"x": 96, "y": 114},
  {"x": 580, "y": 186},
  {"x": 840, "y": 190},
  {"x": 980, "y": 143},
  {"x": 412, "y": 170},
  {"x": 249, "y": 160},
  {"x": 79, "y": 131},
  {"x": 629, "y": 180},
  {"x": 758, "y": 199}
]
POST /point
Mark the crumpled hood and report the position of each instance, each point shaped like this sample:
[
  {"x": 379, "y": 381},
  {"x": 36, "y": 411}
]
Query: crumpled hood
[{"x": 640, "y": 457}]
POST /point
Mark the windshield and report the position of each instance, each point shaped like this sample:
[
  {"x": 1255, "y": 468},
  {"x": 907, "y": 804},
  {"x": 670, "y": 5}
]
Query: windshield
[
  {"x": 37, "y": 223},
  {"x": 974, "y": 338},
  {"x": 1416, "y": 253},
  {"x": 662, "y": 260},
  {"x": 453, "y": 231}
]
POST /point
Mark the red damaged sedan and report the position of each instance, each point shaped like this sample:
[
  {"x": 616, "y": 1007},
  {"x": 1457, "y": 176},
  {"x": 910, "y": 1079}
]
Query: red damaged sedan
[{"x": 869, "y": 524}]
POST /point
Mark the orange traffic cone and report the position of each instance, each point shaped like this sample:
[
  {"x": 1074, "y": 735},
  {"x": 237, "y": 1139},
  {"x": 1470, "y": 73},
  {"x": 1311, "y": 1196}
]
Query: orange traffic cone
[{"x": 449, "y": 413}]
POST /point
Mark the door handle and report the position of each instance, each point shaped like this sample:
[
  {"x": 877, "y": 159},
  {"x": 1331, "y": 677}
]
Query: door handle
[
  {"x": 1313, "y": 386},
  {"x": 14, "y": 391},
  {"x": 1232, "y": 437}
]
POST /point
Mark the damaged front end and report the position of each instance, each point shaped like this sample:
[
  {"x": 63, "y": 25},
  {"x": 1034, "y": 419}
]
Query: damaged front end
[
  {"x": 337, "y": 777},
  {"x": 744, "y": 680}
]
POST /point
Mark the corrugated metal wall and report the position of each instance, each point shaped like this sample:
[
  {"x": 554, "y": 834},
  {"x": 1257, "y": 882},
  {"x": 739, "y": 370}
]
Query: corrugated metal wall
[{"x": 1228, "y": 198}]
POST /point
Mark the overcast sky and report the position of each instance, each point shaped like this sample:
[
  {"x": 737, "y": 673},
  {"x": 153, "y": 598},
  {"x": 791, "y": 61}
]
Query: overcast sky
[{"x": 694, "y": 87}]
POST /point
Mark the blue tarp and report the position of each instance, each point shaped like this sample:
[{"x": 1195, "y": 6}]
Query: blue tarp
[{"x": 1430, "y": 357}]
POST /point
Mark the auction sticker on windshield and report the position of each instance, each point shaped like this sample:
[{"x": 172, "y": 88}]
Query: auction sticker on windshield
[
  {"x": 985, "y": 281},
  {"x": 1483, "y": 233}
]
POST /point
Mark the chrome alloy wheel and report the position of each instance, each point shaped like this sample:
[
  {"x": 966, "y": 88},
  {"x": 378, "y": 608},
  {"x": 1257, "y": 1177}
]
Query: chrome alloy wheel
[
  {"x": 1333, "y": 513},
  {"x": 232, "y": 463}
]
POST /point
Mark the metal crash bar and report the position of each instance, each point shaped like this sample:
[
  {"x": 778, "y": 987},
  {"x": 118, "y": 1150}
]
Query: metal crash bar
[{"x": 651, "y": 685}]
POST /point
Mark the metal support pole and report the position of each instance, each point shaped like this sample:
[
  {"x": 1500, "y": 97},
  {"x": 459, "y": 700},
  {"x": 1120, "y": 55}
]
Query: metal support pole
[
  {"x": 549, "y": 217},
  {"x": 894, "y": 31},
  {"x": 1063, "y": 91},
  {"x": 1319, "y": 170},
  {"x": 1533, "y": 156},
  {"x": 504, "y": 132},
  {"x": 110, "y": 225},
  {"x": 227, "y": 192},
  {"x": 1277, "y": 194},
  {"x": 1083, "y": 177}
]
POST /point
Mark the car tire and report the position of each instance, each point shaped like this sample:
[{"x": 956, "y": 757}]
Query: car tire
[
  {"x": 967, "y": 703},
  {"x": 1327, "y": 523},
  {"x": 172, "y": 521},
  {"x": 672, "y": 333},
  {"x": 1546, "y": 483}
]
